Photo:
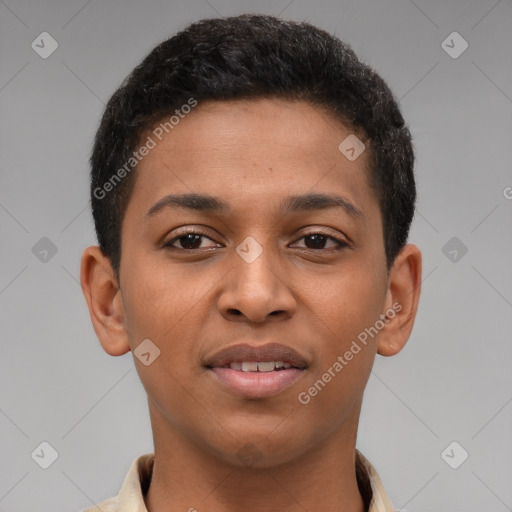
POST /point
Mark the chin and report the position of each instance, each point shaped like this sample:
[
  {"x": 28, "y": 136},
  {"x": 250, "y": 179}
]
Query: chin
[{"x": 263, "y": 450}]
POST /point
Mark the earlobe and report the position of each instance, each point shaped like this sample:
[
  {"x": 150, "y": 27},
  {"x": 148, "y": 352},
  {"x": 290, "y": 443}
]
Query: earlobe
[
  {"x": 404, "y": 287},
  {"x": 103, "y": 297}
]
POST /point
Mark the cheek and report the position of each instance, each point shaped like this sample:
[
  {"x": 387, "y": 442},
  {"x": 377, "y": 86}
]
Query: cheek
[
  {"x": 158, "y": 311},
  {"x": 336, "y": 383},
  {"x": 160, "y": 303},
  {"x": 347, "y": 302},
  {"x": 344, "y": 308},
  {"x": 168, "y": 309}
]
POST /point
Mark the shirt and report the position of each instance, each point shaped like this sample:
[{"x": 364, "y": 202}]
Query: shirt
[{"x": 136, "y": 485}]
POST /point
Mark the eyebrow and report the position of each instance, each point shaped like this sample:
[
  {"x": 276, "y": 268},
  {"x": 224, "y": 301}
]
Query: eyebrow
[{"x": 292, "y": 204}]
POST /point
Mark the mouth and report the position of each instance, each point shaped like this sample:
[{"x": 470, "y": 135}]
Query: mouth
[
  {"x": 257, "y": 372},
  {"x": 261, "y": 366}
]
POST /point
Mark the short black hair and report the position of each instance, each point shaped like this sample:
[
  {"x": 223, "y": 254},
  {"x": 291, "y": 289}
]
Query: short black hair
[{"x": 248, "y": 57}]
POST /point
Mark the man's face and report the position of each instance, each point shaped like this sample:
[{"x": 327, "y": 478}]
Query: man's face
[{"x": 198, "y": 281}]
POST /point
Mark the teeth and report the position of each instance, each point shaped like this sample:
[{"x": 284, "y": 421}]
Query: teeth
[
  {"x": 261, "y": 366},
  {"x": 266, "y": 367},
  {"x": 249, "y": 366}
]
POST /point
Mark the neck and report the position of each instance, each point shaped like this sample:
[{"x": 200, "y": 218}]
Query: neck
[{"x": 186, "y": 478}]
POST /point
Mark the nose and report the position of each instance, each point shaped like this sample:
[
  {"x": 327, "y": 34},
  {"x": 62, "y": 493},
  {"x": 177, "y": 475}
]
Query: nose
[{"x": 256, "y": 292}]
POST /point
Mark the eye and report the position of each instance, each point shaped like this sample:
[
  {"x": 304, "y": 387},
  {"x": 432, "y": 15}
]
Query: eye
[
  {"x": 188, "y": 241},
  {"x": 318, "y": 240},
  {"x": 192, "y": 240}
]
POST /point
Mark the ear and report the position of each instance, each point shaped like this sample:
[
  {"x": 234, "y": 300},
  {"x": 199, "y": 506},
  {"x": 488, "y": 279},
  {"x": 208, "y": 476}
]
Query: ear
[
  {"x": 404, "y": 287},
  {"x": 104, "y": 300}
]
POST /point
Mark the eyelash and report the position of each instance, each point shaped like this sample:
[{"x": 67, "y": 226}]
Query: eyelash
[{"x": 341, "y": 244}]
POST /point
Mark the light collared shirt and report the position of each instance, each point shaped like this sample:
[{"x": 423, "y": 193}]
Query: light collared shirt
[{"x": 136, "y": 485}]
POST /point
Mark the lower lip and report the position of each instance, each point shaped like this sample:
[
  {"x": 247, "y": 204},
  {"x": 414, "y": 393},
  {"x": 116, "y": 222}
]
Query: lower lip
[{"x": 257, "y": 384}]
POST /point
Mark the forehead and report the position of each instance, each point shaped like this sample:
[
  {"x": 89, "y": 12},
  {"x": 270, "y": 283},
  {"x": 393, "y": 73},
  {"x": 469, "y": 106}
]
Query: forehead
[
  {"x": 251, "y": 150},
  {"x": 265, "y": 126}
]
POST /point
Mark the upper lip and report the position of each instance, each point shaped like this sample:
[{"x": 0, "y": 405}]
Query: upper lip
[{"x": 245, "y": 352}]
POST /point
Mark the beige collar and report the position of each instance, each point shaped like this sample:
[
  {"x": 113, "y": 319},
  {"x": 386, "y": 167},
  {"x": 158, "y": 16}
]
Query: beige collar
[{"x": 136, "y": 484}]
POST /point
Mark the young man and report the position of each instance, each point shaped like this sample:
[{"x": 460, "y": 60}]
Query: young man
[{"x": 252, "y": 192}]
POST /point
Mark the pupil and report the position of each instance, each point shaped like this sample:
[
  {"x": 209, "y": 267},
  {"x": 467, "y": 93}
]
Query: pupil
[
  {"x": 318, "y": 240},
  {"x": 188, "y": 240}
]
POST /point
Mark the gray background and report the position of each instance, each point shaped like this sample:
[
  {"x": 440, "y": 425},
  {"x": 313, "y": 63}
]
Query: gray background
[{"x": 452, "y": 382}]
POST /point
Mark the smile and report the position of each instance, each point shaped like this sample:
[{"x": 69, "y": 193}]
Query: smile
[
  {"x": 256, "y": 372},
  {"x": 261, "y": 366}
]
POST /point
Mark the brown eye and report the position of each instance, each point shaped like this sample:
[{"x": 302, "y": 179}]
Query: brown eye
[
  {"x": 317, "y": 241},
  {"x": 187, "y": 241}
]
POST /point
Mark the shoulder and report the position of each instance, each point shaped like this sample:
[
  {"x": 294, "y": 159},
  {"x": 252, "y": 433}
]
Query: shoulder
[{"x": 135, "y": 486}]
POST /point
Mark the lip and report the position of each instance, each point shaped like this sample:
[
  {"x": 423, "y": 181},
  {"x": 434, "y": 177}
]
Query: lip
[
  {"x": 256, "y": 384},
  {"x": 246, "y": 352}
]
